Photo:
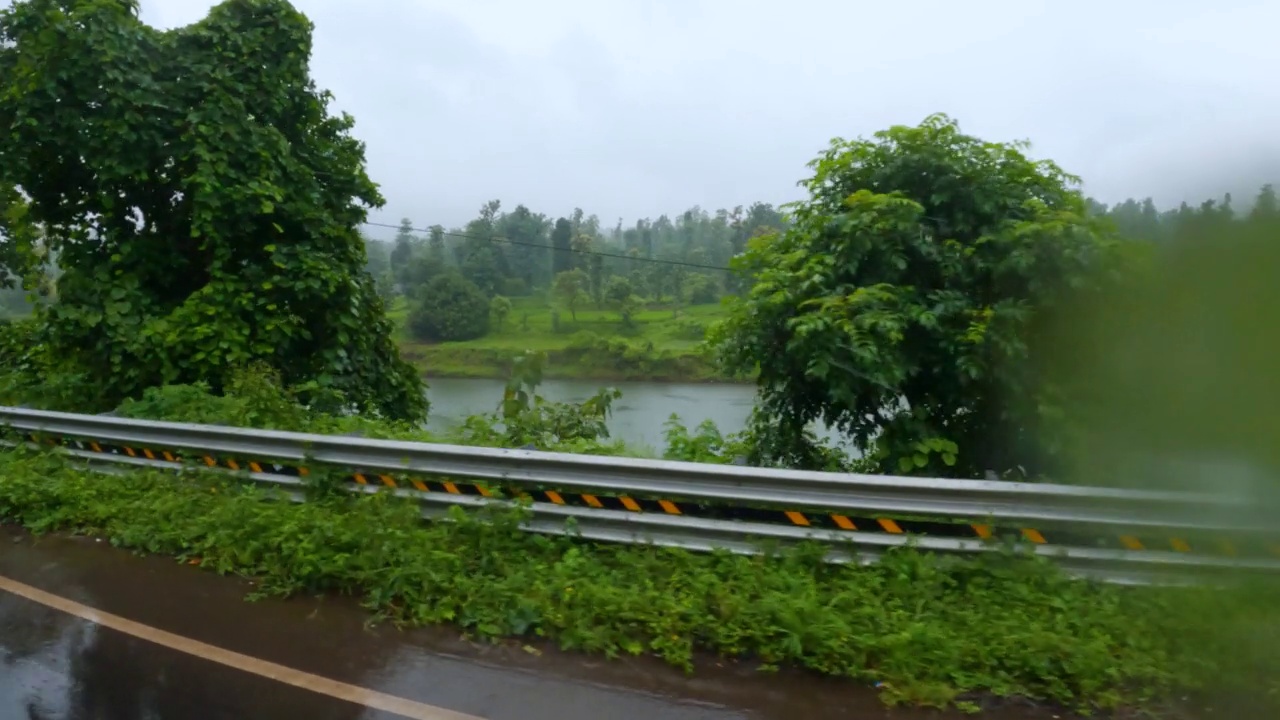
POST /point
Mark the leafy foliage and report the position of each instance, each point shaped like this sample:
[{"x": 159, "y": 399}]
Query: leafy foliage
[
  {"x": 704, "y": 444},
  {"x": 530, "y": 419},
  {"x": 904, "y": 304},
  {"x": 253, "y": 397},
  {"x": 450, "y": 308},
  {"x": 31, "y": 376},
  {"x": 19, "y": 238},
  {"x": 202, "y": 202},
  {"x": 526, "y": 419}
]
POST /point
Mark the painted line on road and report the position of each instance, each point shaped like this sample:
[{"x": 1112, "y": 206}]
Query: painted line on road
[{"x": 287, "y": 675}]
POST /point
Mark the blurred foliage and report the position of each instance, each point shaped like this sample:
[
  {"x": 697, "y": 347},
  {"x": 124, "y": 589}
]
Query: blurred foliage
[{"x": 1176, "y": 371}]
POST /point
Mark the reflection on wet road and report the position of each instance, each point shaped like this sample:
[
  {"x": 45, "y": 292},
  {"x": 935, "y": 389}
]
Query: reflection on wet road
[{"x": 54, "y": 665}]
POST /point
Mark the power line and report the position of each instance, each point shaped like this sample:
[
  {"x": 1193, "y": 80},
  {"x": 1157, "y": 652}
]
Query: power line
[{"x": 509, "y": 241}]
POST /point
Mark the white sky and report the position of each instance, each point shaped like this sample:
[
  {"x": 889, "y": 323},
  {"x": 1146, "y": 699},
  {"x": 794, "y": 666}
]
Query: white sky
[{"x": 633, "y": 108}]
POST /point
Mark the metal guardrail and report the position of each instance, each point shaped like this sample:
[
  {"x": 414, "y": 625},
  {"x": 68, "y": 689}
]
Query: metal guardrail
[{"x": 1105, "y": 533}]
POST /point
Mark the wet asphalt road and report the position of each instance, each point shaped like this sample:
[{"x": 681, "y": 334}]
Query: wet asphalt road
[{"x": 57, "y": 666}]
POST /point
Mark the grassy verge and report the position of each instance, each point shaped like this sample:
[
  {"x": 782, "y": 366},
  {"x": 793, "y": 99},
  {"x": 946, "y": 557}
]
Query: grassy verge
[
  {"x": 663, "y": 344},
  {"x": 924, "y": 630}
]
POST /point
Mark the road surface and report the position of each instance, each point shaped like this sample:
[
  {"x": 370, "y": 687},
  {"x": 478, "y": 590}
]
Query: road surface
[{"x": 89, "y": 632}]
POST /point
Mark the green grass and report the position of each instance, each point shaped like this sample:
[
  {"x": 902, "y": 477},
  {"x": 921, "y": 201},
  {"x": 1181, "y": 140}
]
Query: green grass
[
  {"x": 924, "y": 630},
  {"x": 660, "y": 346}
]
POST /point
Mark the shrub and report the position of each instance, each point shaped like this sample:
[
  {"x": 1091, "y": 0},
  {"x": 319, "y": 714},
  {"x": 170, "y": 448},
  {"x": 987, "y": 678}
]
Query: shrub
[{"x": 449, "y": 308}]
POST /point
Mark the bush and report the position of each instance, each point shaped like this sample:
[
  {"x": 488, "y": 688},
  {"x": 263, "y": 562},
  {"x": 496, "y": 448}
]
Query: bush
[
  {"x": 31, "y": 376},
  {"x": 450, "y": 307},
  {"x": 16, "y": 338},
  {"x": 255, "y": 397}
]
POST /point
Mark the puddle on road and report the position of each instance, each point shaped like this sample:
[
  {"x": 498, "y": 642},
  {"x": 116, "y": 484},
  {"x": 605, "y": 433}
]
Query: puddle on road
[{"x": 330, "y": 636}]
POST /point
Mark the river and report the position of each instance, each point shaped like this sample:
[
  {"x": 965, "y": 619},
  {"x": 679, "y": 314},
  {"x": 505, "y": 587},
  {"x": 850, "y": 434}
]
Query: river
[{"x": 638, "y": 416}]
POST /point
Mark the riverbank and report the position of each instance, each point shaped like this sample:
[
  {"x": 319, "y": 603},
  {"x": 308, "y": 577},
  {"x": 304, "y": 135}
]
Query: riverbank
[
  {"x": 663, "y": 344},
  {"x": 924, "y": 630}
]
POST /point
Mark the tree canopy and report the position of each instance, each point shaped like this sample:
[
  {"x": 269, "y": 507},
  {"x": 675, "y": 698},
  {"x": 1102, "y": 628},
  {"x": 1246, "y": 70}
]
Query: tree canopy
[
  {"x": 202, "y": 200},
  {"x": 906, "y": 302}
]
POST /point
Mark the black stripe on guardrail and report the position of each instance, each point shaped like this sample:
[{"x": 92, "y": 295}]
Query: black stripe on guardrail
[{"x": 799, "y": 518}]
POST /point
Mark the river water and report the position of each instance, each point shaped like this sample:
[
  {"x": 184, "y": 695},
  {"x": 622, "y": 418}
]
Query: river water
[{"x": 638, "y": 416}]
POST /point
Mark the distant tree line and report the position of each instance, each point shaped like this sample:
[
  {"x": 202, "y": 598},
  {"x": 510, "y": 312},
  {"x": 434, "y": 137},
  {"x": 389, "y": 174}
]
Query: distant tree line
[
  {"x": 456, "y": 281},
  {"x": 459, "y": 280},
  {"x": 1142, "y": 220}
]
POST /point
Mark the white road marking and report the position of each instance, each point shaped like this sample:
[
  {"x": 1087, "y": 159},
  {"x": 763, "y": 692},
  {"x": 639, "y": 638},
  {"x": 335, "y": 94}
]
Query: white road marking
[{"x": 289, "y": 676}]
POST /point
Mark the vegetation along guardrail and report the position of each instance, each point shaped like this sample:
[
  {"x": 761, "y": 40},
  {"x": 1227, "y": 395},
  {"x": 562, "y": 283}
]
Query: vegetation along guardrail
[{"x": 1103, "y": 533}]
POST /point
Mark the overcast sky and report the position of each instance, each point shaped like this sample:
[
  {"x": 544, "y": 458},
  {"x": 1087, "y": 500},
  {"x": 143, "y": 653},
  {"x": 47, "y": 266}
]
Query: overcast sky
[{"x": 634, "y": 108}]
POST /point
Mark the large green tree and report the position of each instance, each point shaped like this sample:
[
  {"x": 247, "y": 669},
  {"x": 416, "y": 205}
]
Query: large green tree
[
  {"x": 203, "y": 201},
  {"x": 907, "y": 303}
]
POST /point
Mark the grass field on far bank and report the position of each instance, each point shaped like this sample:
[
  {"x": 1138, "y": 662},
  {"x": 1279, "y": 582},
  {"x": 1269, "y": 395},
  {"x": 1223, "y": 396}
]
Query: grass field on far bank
[{"x": 664, "y": 344}]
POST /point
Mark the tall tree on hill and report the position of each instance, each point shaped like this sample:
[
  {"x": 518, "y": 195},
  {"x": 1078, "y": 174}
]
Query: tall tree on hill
[
  {"x": 203, "y": 202},
  {"x": 435, "y": 247},
  {"x": 526, "y": 235},
  {"x": 562, "y": 243},
  {"x": 582, "y": 246},
  {"x": 1265, "y": 207},
  {"x": 479, "y": 258},
  {"x": 427, "y": 264},
  {"x": 402, "y": 249}
]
